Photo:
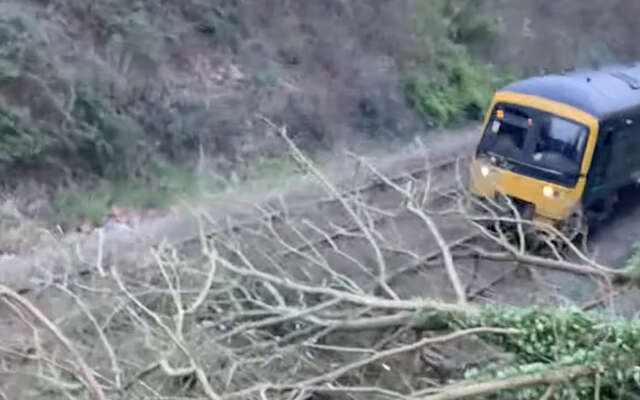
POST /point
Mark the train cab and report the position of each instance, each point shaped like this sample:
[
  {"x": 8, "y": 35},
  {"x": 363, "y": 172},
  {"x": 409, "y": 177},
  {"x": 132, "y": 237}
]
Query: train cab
[{"x": 560, "y": 147}]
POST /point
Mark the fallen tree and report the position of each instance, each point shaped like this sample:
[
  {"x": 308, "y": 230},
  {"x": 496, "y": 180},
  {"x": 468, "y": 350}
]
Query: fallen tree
[{"x": 291, "y": 310}]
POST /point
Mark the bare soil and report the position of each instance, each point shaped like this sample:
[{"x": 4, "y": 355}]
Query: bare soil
[{"x": 613, "y": 241}]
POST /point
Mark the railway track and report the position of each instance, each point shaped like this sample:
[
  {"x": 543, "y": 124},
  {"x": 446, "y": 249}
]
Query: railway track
[
  {"x": 374, "y": 192},
  {"x": 277, "y": 212},
  {"x": 373, "y": 189},
  {"x": 346, "y": 238}
]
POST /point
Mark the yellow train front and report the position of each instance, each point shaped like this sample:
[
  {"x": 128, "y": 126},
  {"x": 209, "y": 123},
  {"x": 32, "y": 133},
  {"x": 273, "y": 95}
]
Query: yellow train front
[{"x": 561, "y": 146}]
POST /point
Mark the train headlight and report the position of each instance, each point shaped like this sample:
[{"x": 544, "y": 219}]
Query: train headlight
[
  {"x": 548, "y": 191},
  {"x": 484, "y": 170}
]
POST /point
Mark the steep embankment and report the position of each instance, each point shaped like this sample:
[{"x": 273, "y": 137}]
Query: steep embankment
[
  {"x": 104, "y": 98},
  {"x": 112, "y": 103}
]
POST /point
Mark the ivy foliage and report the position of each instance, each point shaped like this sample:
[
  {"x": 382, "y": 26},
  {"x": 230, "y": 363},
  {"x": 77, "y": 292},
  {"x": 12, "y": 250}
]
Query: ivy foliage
[{"x": 553, "y": 339}]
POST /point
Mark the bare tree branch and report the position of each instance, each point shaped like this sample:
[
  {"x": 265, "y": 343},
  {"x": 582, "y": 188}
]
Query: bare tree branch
[
  {"x": 433, "y": 228},
  {"x": 89, "y": 381},
  {"x": 474, "y": 389}
]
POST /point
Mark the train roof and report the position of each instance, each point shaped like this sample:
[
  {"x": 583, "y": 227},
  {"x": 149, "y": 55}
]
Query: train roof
[{"x": 601, "y": 92}]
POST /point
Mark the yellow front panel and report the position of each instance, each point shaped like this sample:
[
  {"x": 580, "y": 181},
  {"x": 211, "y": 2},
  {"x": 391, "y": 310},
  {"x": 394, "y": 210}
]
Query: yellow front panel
[{"x": 529, "y": 189}]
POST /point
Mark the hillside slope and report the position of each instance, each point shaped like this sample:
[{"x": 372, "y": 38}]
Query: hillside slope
[{"x": 119, "y": 91}]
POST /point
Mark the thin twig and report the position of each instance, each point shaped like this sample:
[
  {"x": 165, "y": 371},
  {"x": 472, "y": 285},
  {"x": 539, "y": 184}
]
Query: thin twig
[
  {"x": 379, "y": 256},
  {"x": 117, "y": 372},
  {"x": 90, "y": 382},
  {"x": 337, "y": 373},
  {"x": 433, "y": 228}
]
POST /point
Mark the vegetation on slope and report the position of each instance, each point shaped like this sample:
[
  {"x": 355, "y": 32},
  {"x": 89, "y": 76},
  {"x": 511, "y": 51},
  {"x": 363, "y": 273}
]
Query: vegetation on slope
[
  {"x": 107, "y": 90},
  {"x": 97, "y": 92}
]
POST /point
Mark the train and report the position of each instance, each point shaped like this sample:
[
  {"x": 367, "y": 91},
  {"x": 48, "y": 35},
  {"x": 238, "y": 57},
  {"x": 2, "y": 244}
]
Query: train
[{"x": 560, "y": 147}]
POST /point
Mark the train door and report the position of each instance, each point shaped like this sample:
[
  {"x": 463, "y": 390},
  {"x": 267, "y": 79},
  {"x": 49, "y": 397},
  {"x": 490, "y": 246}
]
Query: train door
[
  {"x": 632, "y": 150},
  {"x": 597, "y": 179},
  {"x": 614, "y": 160},
  {"x": 625, "y": 163}
]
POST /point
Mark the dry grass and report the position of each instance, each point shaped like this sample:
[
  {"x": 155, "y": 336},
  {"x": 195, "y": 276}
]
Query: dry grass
[{"x": 18, "y": 233}]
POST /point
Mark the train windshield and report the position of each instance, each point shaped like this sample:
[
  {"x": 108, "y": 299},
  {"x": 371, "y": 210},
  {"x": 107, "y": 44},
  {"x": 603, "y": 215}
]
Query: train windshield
[{"x": 535, "y": 143}]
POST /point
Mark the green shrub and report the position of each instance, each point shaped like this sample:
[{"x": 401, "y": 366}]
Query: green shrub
[
  {"x": 79, "y": 205},
  {"x": 459, "y": 89},
  {"x": 165, "y": 184},
  {"x": 450, "y": 85}
]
